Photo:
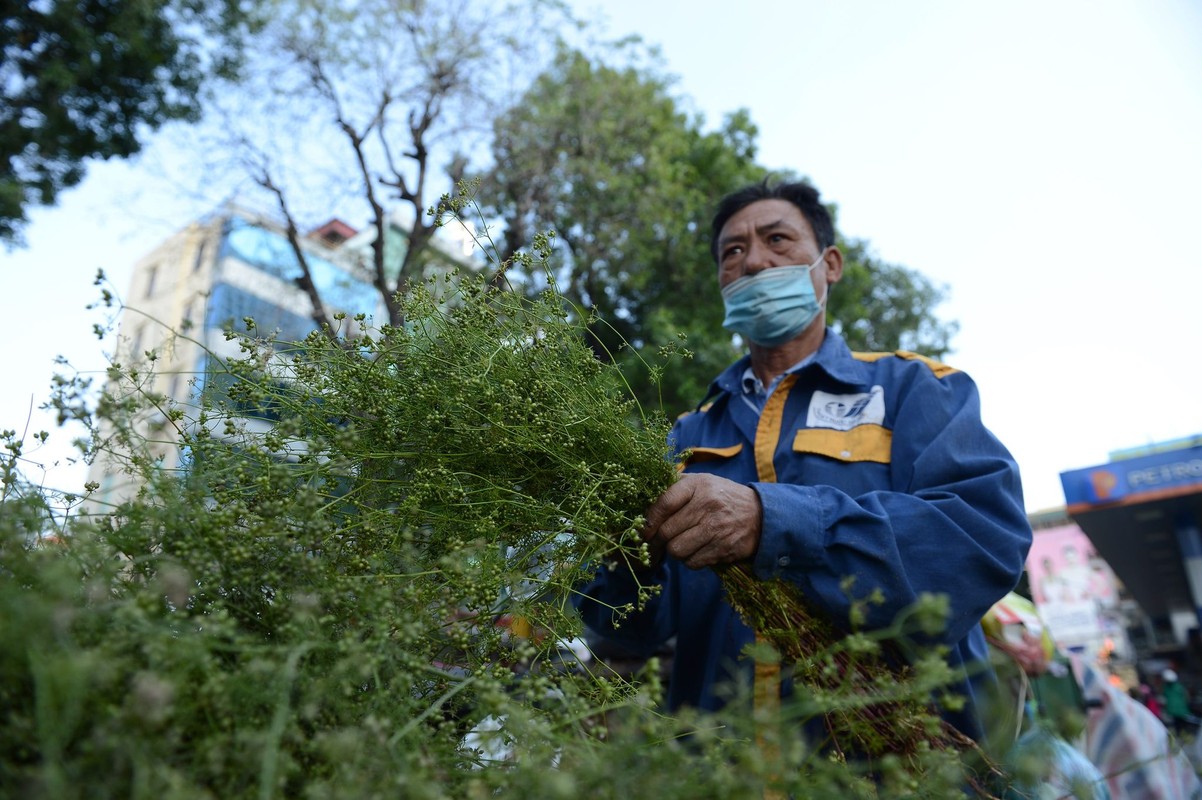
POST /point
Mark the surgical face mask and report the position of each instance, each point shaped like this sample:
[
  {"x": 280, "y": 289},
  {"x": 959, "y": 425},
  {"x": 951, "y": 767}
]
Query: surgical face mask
[{"x": 773, "y": 305}]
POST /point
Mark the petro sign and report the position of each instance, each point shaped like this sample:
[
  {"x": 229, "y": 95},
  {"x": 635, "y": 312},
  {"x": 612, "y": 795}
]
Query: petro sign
[{"x": 1119, "y": 480}]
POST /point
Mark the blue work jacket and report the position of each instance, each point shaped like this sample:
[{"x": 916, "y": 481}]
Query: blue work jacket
[{"x": 868, "y": 465}]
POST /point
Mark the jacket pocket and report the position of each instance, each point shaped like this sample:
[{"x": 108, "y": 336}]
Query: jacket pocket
[
  {"x": 861, "y": 443},
  {"x": 698, "y": 455}
]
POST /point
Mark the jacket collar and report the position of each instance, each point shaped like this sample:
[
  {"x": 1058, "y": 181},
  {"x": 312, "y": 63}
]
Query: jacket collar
[{"x": 833, "y": 357}]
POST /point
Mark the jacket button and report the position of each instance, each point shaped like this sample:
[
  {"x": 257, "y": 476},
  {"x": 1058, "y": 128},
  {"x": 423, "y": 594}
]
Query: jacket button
[{"x": 783, "y": 561}]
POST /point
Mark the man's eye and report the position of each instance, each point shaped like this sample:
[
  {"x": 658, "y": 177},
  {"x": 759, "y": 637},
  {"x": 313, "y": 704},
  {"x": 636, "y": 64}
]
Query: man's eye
[{"x": 731, "y": 251}]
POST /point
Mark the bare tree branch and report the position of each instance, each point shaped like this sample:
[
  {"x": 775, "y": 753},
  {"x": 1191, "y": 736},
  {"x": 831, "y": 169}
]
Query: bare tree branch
[
  {"x": 305, "y": 281},
  {"x": 405, "y": 85}
]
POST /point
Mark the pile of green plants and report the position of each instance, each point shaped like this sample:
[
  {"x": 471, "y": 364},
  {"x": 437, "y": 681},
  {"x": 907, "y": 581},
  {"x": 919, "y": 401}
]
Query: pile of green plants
[{"x": 360, "y": 586}]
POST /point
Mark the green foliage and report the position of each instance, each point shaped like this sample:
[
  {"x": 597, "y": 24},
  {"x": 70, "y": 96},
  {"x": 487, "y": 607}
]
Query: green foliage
[
  {"x": 127, "y": 678},
  {"x": 313, "y": 607},
  {"x": 83, "y": 79},
  {"x": 481, "y": 441},
  {"x": 879, "y": 306},
  {"x": 607, "y": 158},
  {"x": 316, "y": 606}
]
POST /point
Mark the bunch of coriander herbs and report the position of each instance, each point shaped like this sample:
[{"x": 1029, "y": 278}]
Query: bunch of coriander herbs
[{"x": 483, "y": 460}]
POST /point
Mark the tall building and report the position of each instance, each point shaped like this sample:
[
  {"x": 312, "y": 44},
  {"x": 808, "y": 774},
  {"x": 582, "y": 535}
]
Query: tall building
[{"x": 214, "y": 276}]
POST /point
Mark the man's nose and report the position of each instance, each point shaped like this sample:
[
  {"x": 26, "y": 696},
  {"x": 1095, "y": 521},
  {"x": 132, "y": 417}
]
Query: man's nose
[{"x": 758, "y": 258}]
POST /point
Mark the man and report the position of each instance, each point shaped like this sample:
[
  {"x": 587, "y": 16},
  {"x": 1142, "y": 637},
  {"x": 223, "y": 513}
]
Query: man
[{"x": 815, "y": 464}]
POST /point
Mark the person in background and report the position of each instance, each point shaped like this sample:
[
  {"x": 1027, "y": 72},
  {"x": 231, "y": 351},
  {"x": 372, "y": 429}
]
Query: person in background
[
  {"x": 1176, "y": 703},
  {"x": 1149, "y": 699},
  {"x": 813, "y": 465}
]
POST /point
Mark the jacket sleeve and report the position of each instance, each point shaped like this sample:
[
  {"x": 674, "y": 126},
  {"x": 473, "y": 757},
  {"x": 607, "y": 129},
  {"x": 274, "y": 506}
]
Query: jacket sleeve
[{"x": 952, "y": 521}]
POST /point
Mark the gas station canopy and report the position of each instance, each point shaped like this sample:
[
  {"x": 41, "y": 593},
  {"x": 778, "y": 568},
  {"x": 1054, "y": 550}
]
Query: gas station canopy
[{"x": 1143, "y": 512}]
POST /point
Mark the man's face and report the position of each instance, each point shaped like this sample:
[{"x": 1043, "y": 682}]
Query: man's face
[{"x": 773, "y": 233}]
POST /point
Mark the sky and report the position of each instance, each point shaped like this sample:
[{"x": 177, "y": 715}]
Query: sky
[{"x": 1042, "y": 160}]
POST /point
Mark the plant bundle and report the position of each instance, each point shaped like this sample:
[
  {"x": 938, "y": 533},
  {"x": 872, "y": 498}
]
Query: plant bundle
[
  {"x": 874, "y": 703},
  {"x": 368, "y": 555}
]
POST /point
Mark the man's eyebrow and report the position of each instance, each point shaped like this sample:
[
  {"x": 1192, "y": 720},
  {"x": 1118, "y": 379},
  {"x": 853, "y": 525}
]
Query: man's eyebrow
[{"x": 760, "y": 230}]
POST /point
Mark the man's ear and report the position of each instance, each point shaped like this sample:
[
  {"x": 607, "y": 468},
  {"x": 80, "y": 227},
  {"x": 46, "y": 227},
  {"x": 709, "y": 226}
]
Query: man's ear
[{"x": 832, "y": 259}]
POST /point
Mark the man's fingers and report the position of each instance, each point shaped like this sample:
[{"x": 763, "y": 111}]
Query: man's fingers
[
  {"x": 684, "y": 544},
  {"x": 699, "y": 547},
  {"x": 665, "y": 508}
]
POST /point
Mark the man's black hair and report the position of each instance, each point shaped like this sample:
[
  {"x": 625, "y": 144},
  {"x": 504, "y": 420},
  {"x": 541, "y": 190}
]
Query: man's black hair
[{"x": 802, "y": 195}]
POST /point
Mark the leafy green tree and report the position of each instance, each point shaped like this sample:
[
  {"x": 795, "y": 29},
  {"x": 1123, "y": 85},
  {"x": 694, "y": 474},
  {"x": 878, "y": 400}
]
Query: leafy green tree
[
  {"x": 880, "y": 306},
  {"x": 607, "y": 158},
  {"x": 85, "y": 79}
]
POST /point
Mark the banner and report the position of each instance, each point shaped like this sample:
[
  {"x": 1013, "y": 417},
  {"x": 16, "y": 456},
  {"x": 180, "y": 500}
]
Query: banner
[{"x": 1073, "y": 588}]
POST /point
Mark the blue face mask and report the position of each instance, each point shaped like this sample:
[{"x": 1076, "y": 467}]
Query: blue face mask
[{"x": 773, "y": 305}]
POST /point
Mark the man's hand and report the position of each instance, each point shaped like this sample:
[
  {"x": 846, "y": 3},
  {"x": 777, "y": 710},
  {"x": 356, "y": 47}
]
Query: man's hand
[{"x": 704, "y": 520}]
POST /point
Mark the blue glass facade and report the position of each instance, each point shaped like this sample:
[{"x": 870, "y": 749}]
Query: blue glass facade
[
  {"x": 228, "y": 306},
  {"x": 270, "y": 252}
]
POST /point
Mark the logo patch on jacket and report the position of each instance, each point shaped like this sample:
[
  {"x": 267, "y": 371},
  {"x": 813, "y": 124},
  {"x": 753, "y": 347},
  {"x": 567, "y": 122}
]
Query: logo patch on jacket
[{"x": 845, "y": 411}]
